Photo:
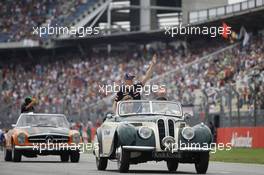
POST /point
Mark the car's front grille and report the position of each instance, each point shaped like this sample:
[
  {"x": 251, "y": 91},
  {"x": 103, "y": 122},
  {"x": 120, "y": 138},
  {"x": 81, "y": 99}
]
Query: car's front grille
[
  {"x": 162, "y": 132},
  {"x": 171, "y": 127},
  {"x": 165, "y": 128},
  {"x": 48, "y": 138}
]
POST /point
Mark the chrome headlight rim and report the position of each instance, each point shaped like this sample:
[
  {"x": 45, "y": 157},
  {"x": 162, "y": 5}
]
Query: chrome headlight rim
[
  {"x": 191, "y": 132},
  {"x": 145, "y": 132},
  {"x": 21, "y": 138},
  {"x": 76, "y": 138}
]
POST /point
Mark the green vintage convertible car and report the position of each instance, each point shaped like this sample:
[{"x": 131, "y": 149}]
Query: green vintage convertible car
[{"x": 144, "y": 131}]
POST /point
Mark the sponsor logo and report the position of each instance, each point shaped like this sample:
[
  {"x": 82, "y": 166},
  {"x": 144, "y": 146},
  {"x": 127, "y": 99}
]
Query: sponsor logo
[{"x": 241, "y": 141}]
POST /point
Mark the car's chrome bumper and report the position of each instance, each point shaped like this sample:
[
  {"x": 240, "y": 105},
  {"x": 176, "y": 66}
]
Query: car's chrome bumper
[
  {"x": 139, "y": 148},
  {"x": 44, "y": 147},
  {"x": 24, "y": 147},
  {"x": 150, "y": 148},
  {"x": 195, "y": 149}
]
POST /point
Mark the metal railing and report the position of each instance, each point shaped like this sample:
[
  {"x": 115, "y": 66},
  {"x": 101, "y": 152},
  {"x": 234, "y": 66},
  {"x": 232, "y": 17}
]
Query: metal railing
[{"x": 212, "y": 13}]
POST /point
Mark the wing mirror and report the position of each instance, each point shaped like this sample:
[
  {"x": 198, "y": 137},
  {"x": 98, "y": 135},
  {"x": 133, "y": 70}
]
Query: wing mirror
[
  {"x": 186, "y": 116},
  {"x": 109, "y": 115},
  {"x": 13, "y": 125}
]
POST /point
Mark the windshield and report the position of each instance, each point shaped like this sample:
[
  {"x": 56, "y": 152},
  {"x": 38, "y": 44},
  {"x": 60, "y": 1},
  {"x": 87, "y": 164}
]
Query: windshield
[
  {"x": 43, "y": 121},
  {"x": 149, "y": 107}
]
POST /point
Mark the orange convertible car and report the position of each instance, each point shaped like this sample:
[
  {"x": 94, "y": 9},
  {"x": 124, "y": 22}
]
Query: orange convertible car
[{"x": 42, "y": 134}]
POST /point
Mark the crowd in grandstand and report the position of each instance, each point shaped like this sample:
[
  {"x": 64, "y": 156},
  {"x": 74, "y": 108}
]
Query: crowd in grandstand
[
  {"x": 242, "y": 68},
  {"x": 74, "y": 81},
  {"x": 71, "y": 84},
  {"x": 18, "y": 17}
]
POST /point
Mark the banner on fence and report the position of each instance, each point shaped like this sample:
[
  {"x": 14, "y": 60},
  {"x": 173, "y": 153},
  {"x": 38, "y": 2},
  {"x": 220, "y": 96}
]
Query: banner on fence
[{"x": 250, "y": 137}]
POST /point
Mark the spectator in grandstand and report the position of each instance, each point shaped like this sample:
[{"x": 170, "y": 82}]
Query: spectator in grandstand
[
  {"x": 89, "y": 134},
  {"x": 128, "y": 88},
  {"x": 212, "y": 128},
  {"x": 81, "y": 130},
  {"x": 28, "y": 105},
  {"x": 98, "y": 123},
  {"x": 2, "y": 137}
]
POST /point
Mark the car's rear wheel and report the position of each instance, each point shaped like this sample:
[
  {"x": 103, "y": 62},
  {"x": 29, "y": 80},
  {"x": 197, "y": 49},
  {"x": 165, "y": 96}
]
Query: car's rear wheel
[
  {"x": 75, "y": 156},
  {"x": 172, "y": 165},
  {"x": 64, "y": 157},
  {"x": 202, "y": 163},
  {"x": 123, "y": 158},
  {"x": 7, "y": 154},
  {"x": 16, "y": 155}
]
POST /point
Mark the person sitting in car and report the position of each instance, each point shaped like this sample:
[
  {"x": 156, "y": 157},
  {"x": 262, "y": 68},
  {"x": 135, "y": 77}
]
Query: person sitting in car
[
  {"x": 28, "y": 105},
  {"x": 161, "y": 95},
  {"x": 131, "y": 89}
]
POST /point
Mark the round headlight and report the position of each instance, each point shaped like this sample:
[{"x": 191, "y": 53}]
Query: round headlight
[
  {"x": 21, "y": 138},
  {"x": 76, "y": 138},
  {"x": 187, "y": 133},
  {"x": 145, "y": 132}
]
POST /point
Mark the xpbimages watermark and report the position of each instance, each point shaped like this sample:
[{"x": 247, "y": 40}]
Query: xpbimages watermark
[
  {"x": 64, "y": 30},
  {"x": 212, "y": 31},
  {"x": 189, "y": 146},
  {"x": 146, "y": 90},
  {"x": 81, "y": 147},
  {"x": 171, "y": 147}
]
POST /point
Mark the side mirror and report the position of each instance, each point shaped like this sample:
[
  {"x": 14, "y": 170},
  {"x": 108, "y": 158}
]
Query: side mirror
[
  {"x": 109, "y": 115},
  {"x": 13, "y": 125},
  {"x": 186, "y": 116}
]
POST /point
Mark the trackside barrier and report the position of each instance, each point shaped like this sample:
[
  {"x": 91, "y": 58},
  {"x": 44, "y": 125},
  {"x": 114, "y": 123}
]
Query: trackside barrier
[{"x": 247, "y": 137}]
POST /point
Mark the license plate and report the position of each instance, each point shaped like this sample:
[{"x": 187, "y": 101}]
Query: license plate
[{"x": 165, "y": 155}]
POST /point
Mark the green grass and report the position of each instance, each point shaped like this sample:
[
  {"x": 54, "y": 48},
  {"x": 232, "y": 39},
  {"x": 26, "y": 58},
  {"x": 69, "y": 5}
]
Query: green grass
[{"x": 239, "y": 155}]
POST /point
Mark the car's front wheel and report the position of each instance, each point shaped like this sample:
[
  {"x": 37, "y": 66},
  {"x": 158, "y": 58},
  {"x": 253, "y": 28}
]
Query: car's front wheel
[
  {"x": 64, "y": 157},
  {"x": 123, "y": 158},
  {"x": 75, "y": 156},
  {"x": 202, "y": 163},
  {"x": 16, "y": 155},
  {"x": 172, "y": 165},
  {"x": 101, "y": 163}
]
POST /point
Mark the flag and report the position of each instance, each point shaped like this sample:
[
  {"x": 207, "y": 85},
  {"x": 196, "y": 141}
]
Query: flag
[
  {"x": 244, "y": 34},
  {"x": 225, "y": 31}
]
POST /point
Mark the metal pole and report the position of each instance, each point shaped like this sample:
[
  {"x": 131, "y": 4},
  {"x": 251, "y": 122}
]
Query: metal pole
[
  {"x": 238, "y": 105},
  {"x": 109, "y": 25},
  {"x": 229, "y": 92},
  {"x": 255, "y": 102},
  {"x": 206, "y": 105},
  {"x": 230, "y": 103},
  {"x": 238, "y": 109}
]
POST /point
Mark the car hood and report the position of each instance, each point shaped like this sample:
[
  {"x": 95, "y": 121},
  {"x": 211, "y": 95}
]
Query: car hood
[
  {"x": 146, "y": 118},
  {"x": 45, "y": 130}
]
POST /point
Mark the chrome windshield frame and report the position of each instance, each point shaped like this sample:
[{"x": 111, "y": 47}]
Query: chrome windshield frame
[
  {"x": 40, "y": 114},
  {"x": 150, "y": 102}
]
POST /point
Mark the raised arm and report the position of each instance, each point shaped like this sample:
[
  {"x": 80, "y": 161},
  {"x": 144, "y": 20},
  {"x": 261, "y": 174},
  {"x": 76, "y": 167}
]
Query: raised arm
[
  {"x": 150, "y": 70},
  {"x": 114, "y": 107},
  {"x": 32, "y": 103}
]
